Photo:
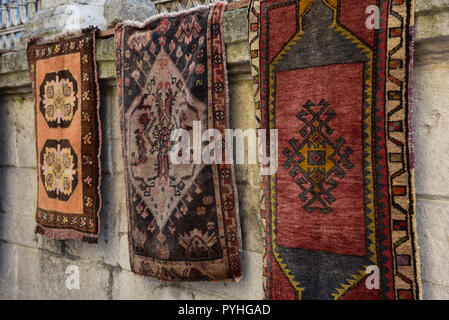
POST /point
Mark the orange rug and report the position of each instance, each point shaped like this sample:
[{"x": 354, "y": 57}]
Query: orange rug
[{"x": 68, "y": 136}]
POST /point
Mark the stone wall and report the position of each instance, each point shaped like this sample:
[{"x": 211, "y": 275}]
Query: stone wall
[
  {"x": 34, "y": 267},
  {"x": 431, "y": 124}
]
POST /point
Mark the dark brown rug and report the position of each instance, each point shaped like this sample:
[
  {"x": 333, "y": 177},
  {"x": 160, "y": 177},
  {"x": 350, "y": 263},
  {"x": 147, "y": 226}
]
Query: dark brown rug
[{"x": 183, "y": 218}]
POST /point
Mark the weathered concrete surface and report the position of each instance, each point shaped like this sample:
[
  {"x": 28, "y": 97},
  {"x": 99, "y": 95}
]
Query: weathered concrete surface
[
  {"x": 431, "y": 121},
  {"x": 33, "y": 269},
  {"x": 116, "y": 11},
  {"x": 430, "y": 5},
  {"x": 46, "y": 4},
  {"x": 432, "y": 25}
]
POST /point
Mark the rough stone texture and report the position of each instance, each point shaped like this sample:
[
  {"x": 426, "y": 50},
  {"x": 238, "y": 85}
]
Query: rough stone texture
[
  {"x": 116, "y": 11},
  {"x": 46, "y": 4},
  {"x": 428, "y": 5},
  {"x": 431, "y": 120},
  {"x": 31, "y": 269},
  {"x": 235, "y": 26},
  {"x": 433, "y": 221},
  {"x": 432, "y": 25}
]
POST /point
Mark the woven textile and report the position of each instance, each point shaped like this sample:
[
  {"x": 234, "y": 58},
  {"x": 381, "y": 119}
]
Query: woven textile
[
  {"x": 66, "y": 95},
  {"x": 183, "y": 218},
  {"x": 342, "y": 199}
]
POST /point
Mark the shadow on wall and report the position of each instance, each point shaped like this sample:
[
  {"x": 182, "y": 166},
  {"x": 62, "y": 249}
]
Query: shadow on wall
[
  {"x": 7, "y": 162},
  {"x": 106, "y": 251}
]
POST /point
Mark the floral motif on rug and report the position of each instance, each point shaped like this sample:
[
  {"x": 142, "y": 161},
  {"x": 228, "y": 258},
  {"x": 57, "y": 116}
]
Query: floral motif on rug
[
  {"x": 339, "y": 213},
  {"x": 66, "y": 94},
  {"x": 183, "y": 218}
]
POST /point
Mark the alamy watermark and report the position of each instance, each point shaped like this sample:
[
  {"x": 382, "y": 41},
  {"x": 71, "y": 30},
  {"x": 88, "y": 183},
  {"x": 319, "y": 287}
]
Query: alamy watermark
[
  {"x": 373, "y": 20},
  {"x": 72, "y": 282},
  {"x": 373, "y": 280},
  {"x": 211, "y": 147}
]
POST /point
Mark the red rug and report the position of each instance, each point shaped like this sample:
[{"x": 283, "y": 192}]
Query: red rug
[{"x": 342, "y": 199}]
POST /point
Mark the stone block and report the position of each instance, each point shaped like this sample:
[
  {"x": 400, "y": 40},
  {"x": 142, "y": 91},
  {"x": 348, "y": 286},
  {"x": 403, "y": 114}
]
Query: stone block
[
  {"x": 238, "y": 53},
  {"x": 115, "y": 115},
  {"x": 433, "y": 291},
  {"x": 51, "y": 246},
  {"x": 17, "y": 228},
  {"x": 432, "y": 25},
  {"x": 106, "y": 70},
  {"x": 8, "y": 138},
  {"x": 17, "y": 126},
  {"x": 43, "y": 276},
  {"x": 431, "y": 52},
  {"x": 123, "y": 211},
  {"x": 46, "y": 4},
  {"x": 104, "y": 50},
  {"x": 105, "y": 117},
  {"x": 116, "y": 11},
  {"x": 242, "y": 109},
  {"x": 25, "y": 130},
  {"x": 18, "y": 191},
  {"x": 430, "y": 5},
  {"x": 248, "y": 174},
  {"x": 28, "y": 273},
  {"x": 105, "y": 59},
  {"x": 124, "y": 251},
  {"x": 14, "y": 62},
  {"x": 117, "y": 156},
  {"x": 242, "y": 116},
  {"x": 433, "y": 238},
  {"x": 250, "y": 221},
  {"x": 65, "y": 18},
  {"x": 431, "y": 120},
  {"x": 106, "y": 155},
  {"x": 15, "y": 79},
  {"x": 235, "y": 25},
  {"x": 128, "y": 285},
  {"x": 106, "y": 249},
  {"x": 8, "y": 270}
]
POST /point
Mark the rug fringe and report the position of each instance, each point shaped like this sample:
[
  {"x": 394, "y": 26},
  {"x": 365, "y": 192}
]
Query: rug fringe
[
  {"x": 41, "y": 40},
  {"x": 63, "y": 234}
]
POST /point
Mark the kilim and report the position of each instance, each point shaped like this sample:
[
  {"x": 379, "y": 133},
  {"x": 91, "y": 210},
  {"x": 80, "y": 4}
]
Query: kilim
[
  {"x": 183, "y": 218},
  {"x": 339, "y": 211},
  {"x": 66, "y": 95}
]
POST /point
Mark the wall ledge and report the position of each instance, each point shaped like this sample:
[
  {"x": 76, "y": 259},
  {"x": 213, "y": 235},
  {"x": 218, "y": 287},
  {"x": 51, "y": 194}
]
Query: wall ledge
[
  {"x": 14, "y": 66},
  {"x": 431, "y": 43}
]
